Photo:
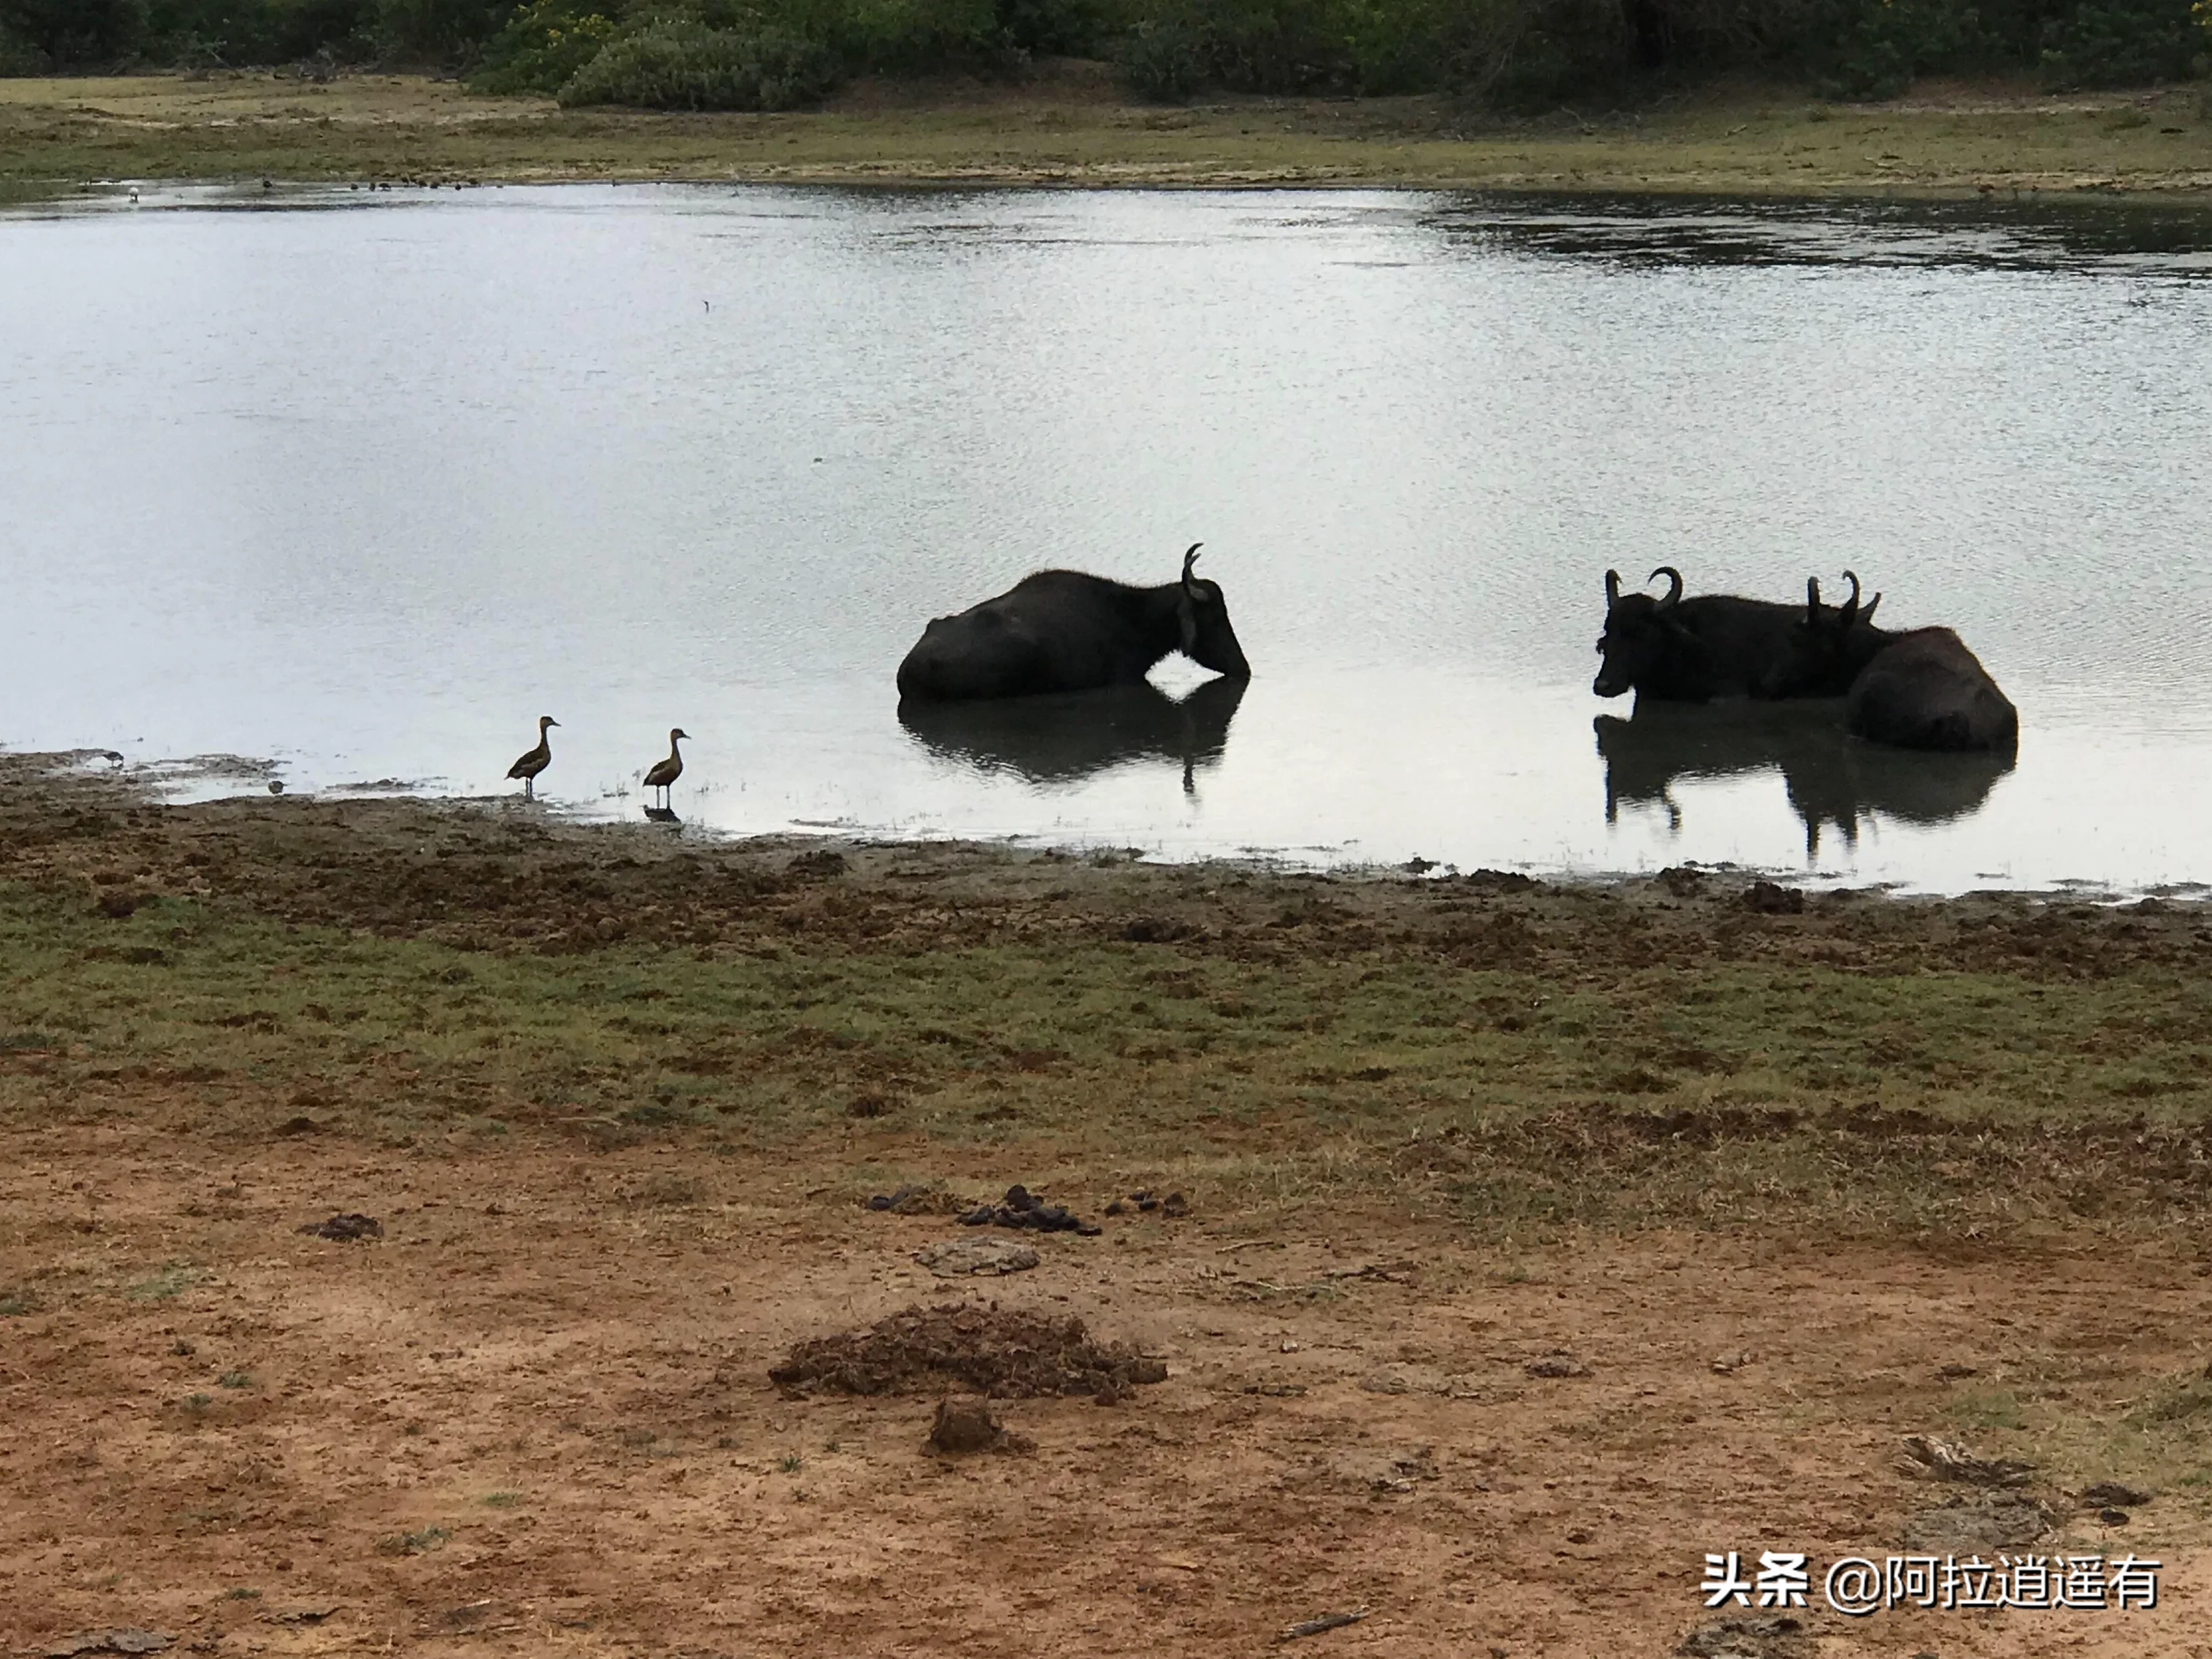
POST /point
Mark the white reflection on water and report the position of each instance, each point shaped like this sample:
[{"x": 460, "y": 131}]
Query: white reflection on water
[{"x": 369, "y": 490}]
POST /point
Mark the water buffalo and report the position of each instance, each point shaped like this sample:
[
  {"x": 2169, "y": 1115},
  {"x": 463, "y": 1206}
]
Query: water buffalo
[
  {"x": 1061, "y": 630},
  {"x": 1680, "y": 650},
  {"x": 1067, "y": 738},
  {"x": 1929, "y": 691},
  {"x": 1912, "y": 689}
]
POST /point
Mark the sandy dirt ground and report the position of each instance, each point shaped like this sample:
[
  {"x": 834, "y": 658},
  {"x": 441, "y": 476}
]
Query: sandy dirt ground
[{"x": 536, "y": 1417}]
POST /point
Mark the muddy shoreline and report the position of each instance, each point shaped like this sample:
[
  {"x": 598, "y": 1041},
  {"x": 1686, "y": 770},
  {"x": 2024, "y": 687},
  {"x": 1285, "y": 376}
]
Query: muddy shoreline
[
  {"x": 409, "y": 859},
  {"x": 1069, "y": 125}
]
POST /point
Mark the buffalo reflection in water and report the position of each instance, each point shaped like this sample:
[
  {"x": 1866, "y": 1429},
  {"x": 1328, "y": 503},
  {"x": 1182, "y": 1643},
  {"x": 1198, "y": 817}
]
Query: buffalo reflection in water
[
  {"x": 1066, "y": 737},
  {"x": 1832, "y": 777}
]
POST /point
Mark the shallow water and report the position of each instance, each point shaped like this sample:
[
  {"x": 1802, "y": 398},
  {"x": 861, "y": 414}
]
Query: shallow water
[{"x": 365, "y": 482}]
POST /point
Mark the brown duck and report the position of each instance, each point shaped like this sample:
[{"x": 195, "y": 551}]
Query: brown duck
[
  {"x": 528, "y": 766},
  {"x": 666, "y": 772}
]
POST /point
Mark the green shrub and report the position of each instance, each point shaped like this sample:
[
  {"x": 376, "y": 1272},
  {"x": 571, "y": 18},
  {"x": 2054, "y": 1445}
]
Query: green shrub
[
  {"x": 76, "y": 31},
  {"x": 2124, "y": 43},
  {"x": 203, "y": 33},
  {"x": 19, "y": 56},
  {"x": 1520, "y": 52},
  {"x": 674, "y": 64},
  {"x": 1564, "y": 49},
  {"x": 1282, "y": 46},
  {"x": 1064, "y": 28},
  {"x": 1241, "y": 45},
  {"x": 1165, "y": 58},
  {"x": 443, "y": 29},
  {"x": 910, "y": 37},
  {"x": 542, "y": 46},
  {"x": 1874, "y": 48}
]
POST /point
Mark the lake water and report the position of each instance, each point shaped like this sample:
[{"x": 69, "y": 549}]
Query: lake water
[{"x": 365, "y": 481}]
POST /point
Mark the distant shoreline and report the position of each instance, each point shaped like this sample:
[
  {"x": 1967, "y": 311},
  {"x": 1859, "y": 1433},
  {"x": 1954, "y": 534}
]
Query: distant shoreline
[{"x": 59, "y": 136}]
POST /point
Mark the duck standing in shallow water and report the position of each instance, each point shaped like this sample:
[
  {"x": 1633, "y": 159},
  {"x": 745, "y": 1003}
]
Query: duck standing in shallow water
[
  {"x": 666, "y": 773},
  {"x": 528, "y": 766}
]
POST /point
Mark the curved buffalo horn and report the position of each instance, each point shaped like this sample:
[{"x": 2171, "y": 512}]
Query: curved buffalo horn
[
  {"x": 1813, "y": 600},
  {"x": 1675, "y": 595},
  {"x": 1612, "y": 589},
  {"x": 1867, "y": 614},
  {"x": 1188, "y": 560},
  {"x": 1851, "y": 606}
]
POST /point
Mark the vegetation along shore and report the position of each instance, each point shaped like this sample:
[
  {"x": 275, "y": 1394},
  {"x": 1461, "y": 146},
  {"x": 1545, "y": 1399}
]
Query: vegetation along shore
[
  {"x": 1795, "y": 96},
  {"x": 1067, "y": 125},
  {"x": 1526, "y": 1233}
]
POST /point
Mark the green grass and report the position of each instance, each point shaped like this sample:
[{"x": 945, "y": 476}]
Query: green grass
[
  {"x": 1718, "y": 1090},
  {"x": 174, "y": 1279},
  {"x": 419, "y": 1543}
]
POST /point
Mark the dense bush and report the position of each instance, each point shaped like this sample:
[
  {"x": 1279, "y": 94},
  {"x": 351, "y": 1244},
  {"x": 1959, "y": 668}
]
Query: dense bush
[
  {"x": 680, "y": 63},
  {"x": 438, "y": 28},
  {"x": 206, "y": 31},
  {"x": 1519, "y": 50},
  {"x": 543, "y": 46},
  {"x": 18, "y": 56},
  {"x": 76, "y": 31},
  {"x": 2123, "y": 42},
  {"x": 759, "y": 54},
  {"x": 1874, "y": 48}
]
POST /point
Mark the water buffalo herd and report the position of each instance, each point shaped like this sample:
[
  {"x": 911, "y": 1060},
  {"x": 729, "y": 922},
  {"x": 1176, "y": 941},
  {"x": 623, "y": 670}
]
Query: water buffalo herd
[
  {"x": 1912, "y": 689},
  {"x": 1059, "y": 632}
]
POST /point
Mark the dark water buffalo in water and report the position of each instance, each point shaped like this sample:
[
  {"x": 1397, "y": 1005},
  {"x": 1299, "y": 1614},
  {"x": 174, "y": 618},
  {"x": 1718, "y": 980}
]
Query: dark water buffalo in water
[
  {"x": 1066, "y": 737},
  {"x": 1912, "y": 689},
  {"x": 1929, "y": 691},
  {"x": 1830, "y": 780},
  {"x": 1061, "y": 630},
  {"x": 1682, "y": 650}
]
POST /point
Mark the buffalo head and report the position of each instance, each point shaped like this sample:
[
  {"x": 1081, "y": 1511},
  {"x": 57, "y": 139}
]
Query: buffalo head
[
  {"x": 1203, "y": 615},
  {"x": 1827, "y": 650},
  {"x": 1640, "y": 632}
]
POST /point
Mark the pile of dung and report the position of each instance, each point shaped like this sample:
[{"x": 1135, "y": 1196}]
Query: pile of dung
[
  {"x": 1023, "y": 1208},
  {"x": 987, "y": 1351}
]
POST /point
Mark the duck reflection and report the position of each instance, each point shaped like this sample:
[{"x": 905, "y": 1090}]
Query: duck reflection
[
  {"x": 1832, "y": 778},
  {"x": 1064, "y": 737}
]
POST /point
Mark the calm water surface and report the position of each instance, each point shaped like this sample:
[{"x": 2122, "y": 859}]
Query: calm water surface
[{"x": 366, "y": 482}]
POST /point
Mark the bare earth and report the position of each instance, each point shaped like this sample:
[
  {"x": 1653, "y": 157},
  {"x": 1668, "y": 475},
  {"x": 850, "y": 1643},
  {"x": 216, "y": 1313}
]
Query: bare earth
[
  {"x": 1070, "y": 123},
  {"x": 558, "y": 1386},
  {"x": 616, "y": 1100}
]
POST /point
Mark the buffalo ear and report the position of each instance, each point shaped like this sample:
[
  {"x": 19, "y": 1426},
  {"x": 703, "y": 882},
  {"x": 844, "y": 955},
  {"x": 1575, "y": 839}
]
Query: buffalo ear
[
  {"x": 1813, "y": 600},
  {"x": 1186, "y": 614},
  {"x": 1612, "y": 589},
  {"x": 1867, "y": 614}
]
